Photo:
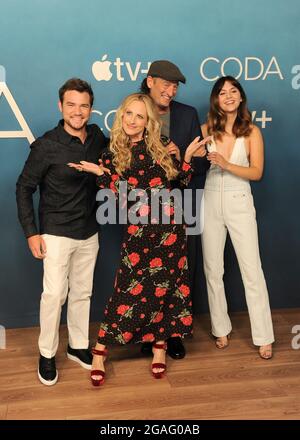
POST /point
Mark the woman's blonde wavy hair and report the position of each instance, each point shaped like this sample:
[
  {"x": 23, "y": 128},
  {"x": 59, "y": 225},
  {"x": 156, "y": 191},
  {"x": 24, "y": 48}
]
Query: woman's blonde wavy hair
[{"x": 120, "y": 141}]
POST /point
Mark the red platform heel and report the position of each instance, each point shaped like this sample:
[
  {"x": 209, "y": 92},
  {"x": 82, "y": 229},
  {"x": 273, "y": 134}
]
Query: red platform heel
[
  {"x": 98, "y": 382},
  {"x": 160, "y": 374}
]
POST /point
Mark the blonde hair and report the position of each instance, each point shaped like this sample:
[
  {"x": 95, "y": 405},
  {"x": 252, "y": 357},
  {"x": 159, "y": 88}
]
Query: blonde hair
[{"x": 120, "y": 141}]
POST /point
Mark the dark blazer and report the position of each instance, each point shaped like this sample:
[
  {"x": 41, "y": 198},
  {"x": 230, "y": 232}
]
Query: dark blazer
[{"x": 184, "y": 127}]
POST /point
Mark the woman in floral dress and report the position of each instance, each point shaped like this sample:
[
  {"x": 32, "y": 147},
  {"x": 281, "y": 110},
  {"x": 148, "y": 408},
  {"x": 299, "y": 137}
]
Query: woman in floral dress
[{"x": 151, "y": 301}]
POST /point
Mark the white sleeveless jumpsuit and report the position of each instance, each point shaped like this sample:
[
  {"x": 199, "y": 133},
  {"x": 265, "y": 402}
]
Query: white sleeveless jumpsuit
[{"x": 228, "y": 206}]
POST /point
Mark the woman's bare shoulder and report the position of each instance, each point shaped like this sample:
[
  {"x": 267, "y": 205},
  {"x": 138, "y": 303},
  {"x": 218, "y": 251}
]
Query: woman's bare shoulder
[{"x": 255, "y": 131}]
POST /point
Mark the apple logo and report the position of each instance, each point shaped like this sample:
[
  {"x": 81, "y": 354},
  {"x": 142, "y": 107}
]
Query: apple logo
[{"x": 101, "y": 69}]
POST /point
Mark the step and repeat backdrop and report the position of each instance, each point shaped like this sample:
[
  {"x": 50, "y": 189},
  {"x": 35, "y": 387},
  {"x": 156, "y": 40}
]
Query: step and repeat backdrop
[{"x": 111, "y": 45}]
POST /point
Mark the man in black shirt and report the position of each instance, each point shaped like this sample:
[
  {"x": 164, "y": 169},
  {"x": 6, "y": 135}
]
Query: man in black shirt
[{"x": 67, "y": 238}]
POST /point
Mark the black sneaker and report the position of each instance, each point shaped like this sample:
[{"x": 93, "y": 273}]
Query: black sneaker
[
  {"x": 83, "y": 356},
  {"x": 47, "y": 371}
]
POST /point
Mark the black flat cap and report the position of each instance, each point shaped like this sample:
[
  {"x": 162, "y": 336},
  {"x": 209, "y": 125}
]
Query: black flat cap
[{"x": 166, "y": 70}]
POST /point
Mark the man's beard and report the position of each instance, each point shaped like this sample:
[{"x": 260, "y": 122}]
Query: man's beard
[{"x": 77, "y": 128}]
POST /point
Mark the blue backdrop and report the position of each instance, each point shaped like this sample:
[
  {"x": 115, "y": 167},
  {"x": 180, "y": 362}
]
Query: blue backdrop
[{"x": 110, "y": 44}]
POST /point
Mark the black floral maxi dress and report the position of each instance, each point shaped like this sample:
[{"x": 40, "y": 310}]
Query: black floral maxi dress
[{"x": 151, "y": 299}]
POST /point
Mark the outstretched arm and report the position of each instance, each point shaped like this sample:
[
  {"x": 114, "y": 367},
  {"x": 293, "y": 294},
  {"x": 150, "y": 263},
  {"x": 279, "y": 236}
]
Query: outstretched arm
[{"x": 107, "y": 177}]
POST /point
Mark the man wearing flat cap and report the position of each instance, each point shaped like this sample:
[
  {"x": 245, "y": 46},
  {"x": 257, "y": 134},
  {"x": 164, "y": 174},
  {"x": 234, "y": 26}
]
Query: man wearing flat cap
[{"x": 180, "y": 125}]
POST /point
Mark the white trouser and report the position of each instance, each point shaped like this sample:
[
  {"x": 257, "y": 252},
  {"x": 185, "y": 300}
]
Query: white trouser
[
  {"x": 68, "y": 271},
  {"x": 234, "y": 211}
]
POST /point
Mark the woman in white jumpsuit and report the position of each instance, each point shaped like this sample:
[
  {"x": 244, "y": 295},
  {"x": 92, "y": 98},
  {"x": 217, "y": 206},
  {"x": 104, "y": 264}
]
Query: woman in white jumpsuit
[{"x": 236, "y": 156}]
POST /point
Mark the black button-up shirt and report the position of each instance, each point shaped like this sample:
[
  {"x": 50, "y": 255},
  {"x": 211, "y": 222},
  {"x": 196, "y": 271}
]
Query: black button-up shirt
[{"x": 67, "y": 205}]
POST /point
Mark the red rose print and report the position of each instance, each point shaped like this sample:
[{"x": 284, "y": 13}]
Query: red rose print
[
  {"x": 170, "y": 240},
  {"x": 101, "y": 333},
  {"x": 113, "y": 187},
  {"x": 149, "y": 337},
  {"x": 172, "y": 271},
  {"x": 140, "y": 272},
  {"x": 127, "y": 336},
  {"x": 132, "y": 181},
  {"x": 114, "y": 177},
  {"x": 141, "y": 172},
  {"x": 107, "y": 161},
  {"x": 142, "y": 157},
  {"x": 155, "y": 182},
  {"x": 160, "y": 291},
  {"x": 134, "y": 258},
  {"x": 136, "y": 290},
  {"x": 171, "y": 255},
  {"x": 146, "y": 250},
  {"x": 168, "y": 210},
  {"x": 161, "y": 330},
  {"x": 176, "y": 335},
  {"x": 171, "y": 306},
  {"x": 132, "y": 229},
  {"x": 158, "y": 317},
  {"x": 185, "y": 290},
  {"x": 144, "y": 210},
  {"x": 114, "y": 325},
  {"x": 156, "y": 262},
  {"x": 173, "y": 322},
  {"x": 122, "y": 309},
  {"x": 186, "y": 166},
  {"x": 144, "y": 300},
  {"x": 187, "y": 320},
  {"x": 142, "y": 315},
  {"x": 181, "y": 262}
]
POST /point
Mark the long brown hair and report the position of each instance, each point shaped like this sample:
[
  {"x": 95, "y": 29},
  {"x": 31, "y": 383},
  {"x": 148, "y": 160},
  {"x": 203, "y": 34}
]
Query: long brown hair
[
  {"x": 216, "y": 118},
  {"x": 120, "y": 141}
]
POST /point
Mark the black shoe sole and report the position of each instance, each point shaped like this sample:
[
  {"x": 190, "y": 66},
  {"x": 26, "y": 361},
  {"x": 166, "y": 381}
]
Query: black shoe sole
[
  {"x": 49, "y": 383},
  {"x": 81, "y": 363},
  {"x": 175, "y": 355}
]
